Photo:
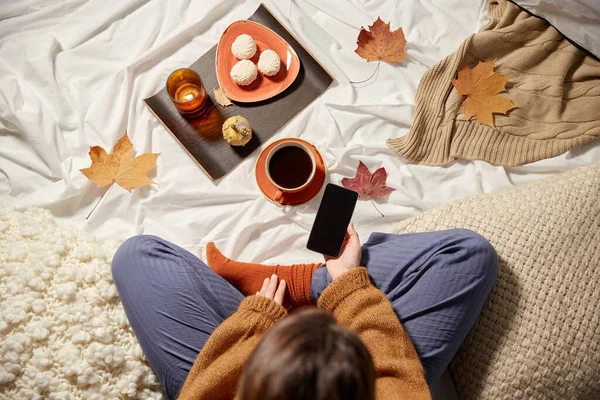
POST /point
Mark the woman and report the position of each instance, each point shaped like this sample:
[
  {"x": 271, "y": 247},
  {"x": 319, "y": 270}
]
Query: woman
[{"x": 428, "y": 290}]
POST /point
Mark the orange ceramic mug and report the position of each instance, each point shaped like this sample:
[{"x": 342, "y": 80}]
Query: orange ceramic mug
[{"x": 290, "y": 166}]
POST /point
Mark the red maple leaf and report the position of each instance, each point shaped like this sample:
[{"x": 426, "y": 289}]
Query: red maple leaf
[{"x": 368, "y": 186}]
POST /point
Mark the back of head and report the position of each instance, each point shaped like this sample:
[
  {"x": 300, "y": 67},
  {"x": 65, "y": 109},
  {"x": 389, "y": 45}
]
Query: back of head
[{"x": 308, "y": 356}]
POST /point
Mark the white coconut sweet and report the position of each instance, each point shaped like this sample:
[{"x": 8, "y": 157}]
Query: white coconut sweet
[
  {"x": 244, "y": 72},
  {"x": 269, "y": 63},
  {"x": 243, "y": 47}
]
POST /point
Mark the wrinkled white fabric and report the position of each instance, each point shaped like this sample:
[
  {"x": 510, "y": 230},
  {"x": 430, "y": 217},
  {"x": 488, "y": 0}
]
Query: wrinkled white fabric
[
  {"x": 73, "y": 73},
  {"x": 579, "y": 20}
]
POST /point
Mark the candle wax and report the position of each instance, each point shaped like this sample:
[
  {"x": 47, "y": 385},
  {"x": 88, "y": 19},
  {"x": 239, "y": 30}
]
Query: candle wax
[{"x": 187, "y": 92}]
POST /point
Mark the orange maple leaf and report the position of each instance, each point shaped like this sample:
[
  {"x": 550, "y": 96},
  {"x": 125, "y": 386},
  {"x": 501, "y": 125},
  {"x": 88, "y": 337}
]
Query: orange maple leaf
[
  {"x": 380, "y": 44},
  {"x": 481, "y": 86},
  {"x": 120, "y": 166}
]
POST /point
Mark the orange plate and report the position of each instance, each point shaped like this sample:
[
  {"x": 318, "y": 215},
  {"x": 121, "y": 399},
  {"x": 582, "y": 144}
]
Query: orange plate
[
  {"x": 269, "y": 190},
  {"x": 264, "y": 87}
]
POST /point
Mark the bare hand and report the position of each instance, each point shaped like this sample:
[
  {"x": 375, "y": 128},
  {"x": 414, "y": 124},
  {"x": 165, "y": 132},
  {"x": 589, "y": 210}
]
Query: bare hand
[
  {"x": 271, "y": 290},
  {"x": 349, "y": 257}
]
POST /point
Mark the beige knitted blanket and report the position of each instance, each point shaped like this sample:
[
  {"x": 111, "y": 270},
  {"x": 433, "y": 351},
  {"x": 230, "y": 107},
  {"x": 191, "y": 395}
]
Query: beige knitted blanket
[
  {"x": 555, "y": 86},
  {"x": 538, "y": 336}
]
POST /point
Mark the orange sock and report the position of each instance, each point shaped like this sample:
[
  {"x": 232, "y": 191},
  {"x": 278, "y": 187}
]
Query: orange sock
[{"x": 248, "y": 277}]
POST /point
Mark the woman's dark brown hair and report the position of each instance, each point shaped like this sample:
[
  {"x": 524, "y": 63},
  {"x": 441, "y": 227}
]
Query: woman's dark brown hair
[{"x": 308, "y": 356}]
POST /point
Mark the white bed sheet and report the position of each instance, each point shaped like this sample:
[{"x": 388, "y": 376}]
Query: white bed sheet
[
  {"x": 73, "y": 73},
  {"x": 577, "y": 19}
]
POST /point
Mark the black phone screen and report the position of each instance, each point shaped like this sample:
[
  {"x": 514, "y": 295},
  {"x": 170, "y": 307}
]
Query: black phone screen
[{"x": 331, "y": 223}]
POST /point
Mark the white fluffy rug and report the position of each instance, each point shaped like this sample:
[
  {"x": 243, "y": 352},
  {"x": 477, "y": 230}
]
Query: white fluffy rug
[{"x": 64, "y": 334}]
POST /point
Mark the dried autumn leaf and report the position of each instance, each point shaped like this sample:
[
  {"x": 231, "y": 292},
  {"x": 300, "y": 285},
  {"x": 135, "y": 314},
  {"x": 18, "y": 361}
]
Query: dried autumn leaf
[
  {"x": 380, "y": 44},
  {"x": 222, "y": 98},
  {"x": 368, "y": 186},
  {"x": 119, "y": 166},
  {"x": 481, "y": 85}
]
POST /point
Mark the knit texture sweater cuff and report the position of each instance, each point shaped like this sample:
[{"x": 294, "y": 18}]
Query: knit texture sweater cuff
[
  {"x": 253, "y": 305},
  {"x": 349, "y": 282}
]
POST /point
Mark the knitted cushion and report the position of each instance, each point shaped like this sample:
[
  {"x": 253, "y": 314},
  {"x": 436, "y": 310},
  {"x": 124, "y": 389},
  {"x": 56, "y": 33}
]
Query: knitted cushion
[{"x": 538, "y": 336}]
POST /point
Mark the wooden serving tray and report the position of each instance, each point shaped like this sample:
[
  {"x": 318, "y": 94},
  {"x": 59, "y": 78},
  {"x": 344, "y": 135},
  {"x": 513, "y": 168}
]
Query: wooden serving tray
[{"x": 202, "y": 137}]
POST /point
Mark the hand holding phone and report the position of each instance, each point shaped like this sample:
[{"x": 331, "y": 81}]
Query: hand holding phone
[
  {"x": 349, "y": 257},
  {"x": 332, "y": 220}
]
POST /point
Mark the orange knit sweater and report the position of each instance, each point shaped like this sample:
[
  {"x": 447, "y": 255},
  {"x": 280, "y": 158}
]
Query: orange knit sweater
[{"x": 356, "y": 304}]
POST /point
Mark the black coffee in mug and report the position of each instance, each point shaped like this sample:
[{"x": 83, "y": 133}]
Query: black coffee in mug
[{"x": 290, "y": 167}]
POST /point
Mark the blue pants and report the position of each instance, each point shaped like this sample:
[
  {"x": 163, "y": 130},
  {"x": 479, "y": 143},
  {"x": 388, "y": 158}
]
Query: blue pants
[{"x": 437, "y": 283}]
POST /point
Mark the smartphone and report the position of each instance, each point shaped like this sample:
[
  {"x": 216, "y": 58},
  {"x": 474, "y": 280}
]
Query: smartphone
[{"x": 331, "y": 224}]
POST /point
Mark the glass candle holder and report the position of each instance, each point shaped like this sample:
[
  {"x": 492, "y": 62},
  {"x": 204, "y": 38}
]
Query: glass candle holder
[{"x": 187, "y": 92}]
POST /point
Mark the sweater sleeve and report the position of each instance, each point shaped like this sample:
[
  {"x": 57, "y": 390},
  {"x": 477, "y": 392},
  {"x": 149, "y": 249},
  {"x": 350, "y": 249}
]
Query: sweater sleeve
[
  {"x": 364, "y": 309},
  {"x": 217, "y": 368}
]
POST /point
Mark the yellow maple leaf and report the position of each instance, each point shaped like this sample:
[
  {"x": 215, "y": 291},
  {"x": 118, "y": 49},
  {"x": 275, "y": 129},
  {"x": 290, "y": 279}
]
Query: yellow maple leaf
[
  {"x": 481, "y": 86},
  {"x": 120, "y": 167},
  {"x": 380, "y": 44},
  {"x": 222, "y": 98}
]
